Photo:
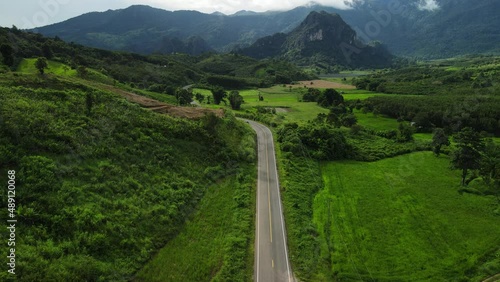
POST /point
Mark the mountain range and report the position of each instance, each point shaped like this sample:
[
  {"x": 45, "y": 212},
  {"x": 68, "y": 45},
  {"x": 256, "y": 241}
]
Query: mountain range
[
  {"x": 410, "y": 28},
  {"x": 321, "y": 38}
]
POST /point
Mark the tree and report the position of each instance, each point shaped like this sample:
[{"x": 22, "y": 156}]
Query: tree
[
  {"x": 336, "y": 114},
  {"x": 82, "y": 71},
  {"x": 330, "y": 97},
  {"x": 235, "y": 99},
  {"x": 183, "y": 96},
  {"x": 219, "y": 95},
  {"x": 311, "y": 95},
  {"x": 405, "y": 132},
  {"x": 349, "y": 120},
  {"x": 438, "y": 140},
  {"x": 7, "y": 54},
  {"x": 89, "y": 102},
  {"x": 467, "y": 155},
  {"x": 41, "y": 64},
  {"x": 199, "y": 97},
  {"x": 490, "y": 166},
  {"x": 47, "y": 50},
  {"x": 422, "y": 121}
]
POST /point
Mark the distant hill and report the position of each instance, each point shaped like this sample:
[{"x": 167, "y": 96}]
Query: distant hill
[
  {"x": 321, "y": 38},
  {"x": 451, "y": 28},
  {"x": 157, "y": 73}
]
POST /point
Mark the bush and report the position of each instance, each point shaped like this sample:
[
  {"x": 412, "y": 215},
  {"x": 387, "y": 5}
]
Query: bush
[{"x": 321, "y": 141}]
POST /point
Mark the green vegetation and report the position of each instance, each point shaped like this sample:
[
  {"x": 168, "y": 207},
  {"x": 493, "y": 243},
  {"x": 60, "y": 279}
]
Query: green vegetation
[
  {"x": 181, "y": 31},
  {"x": 111, "y": 191},
  {"x": 219, "y": 95},
  {"x": 102, "y": 189},
  {"x": 235, "y": 99},
  {"x": 402, "y": 219},
  {"x": 214, "y": 245},
  {"x": 156, "y": 73},
  {"x": 41, "y": 64},
  {"x": 449, "y": 112},
  {"x": 28, "y": 66},
  {"x": 234, "y": 71},
  {"x": 105, "y": 184},
  {"x": 319, "y": 141},
  {"x": 376, "y": 122},
  {"x": 464, "y": 76},
  {"x": 314, "y": 43},
  {"x": 286, "y": 104},
  {"x": 467, "y": 155},
  {"x": 300, "y": 181},
  {"x": 183, "y": 96}
]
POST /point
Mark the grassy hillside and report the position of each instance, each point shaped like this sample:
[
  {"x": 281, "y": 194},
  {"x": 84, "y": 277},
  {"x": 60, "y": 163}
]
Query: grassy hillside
[
  {"x": 28, "y": 66},
  {"x": 103, "y": 183},
  {"x": 212, "y": 245},
  {"x": 403, "y": 219}
]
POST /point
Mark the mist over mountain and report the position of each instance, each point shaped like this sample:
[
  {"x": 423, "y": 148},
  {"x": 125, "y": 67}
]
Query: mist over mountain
[{"x": 419, "y": 28}]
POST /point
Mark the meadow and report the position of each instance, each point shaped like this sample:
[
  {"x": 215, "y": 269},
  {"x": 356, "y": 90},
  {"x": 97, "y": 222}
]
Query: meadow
[
  {"x": 403, "y": 219},
  {"x": 28, "y": 66},
  {"x": 291, "y": 109},
  {"x": 376, "y": 122}
]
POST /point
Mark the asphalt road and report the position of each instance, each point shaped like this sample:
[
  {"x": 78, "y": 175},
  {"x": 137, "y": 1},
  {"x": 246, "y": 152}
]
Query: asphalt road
[{"x": 271, "y": 253}]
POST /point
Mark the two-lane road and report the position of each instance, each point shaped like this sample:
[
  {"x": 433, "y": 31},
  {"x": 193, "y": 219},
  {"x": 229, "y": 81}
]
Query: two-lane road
[{"x": 271, "y": 253}]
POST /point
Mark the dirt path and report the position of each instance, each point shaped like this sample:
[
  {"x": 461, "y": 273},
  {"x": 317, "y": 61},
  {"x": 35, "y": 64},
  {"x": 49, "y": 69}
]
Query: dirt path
[
  {"x": 493, "y": 278},
  {"x": 160, "y": 107}
]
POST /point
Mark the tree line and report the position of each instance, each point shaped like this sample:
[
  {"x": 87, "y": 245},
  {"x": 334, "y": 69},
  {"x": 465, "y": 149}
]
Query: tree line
[{"x": 452, "y": 113}]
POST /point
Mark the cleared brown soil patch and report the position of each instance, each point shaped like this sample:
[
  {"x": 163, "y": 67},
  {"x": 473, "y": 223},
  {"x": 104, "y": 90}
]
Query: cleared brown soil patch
[
  {"x": 323, "y": 84},
  {"x": 164, "y": 108},
  {"x": 281, "y": 110}
]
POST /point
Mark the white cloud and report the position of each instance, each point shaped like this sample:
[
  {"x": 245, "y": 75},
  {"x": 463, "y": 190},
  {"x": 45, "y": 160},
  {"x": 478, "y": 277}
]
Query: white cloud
[{"x": 428, "y": 5}]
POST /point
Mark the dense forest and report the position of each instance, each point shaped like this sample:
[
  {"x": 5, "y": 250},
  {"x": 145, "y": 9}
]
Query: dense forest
[{"x": 453, "y": 94}]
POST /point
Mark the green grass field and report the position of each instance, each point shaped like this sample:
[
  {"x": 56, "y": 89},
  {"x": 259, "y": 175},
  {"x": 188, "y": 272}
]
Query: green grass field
[
  {"x": 275, "y": 97},
  {"x": 296, "y": 111},
  {"x": 360, "y": 94},
  {"x": 200, "y": 239},
  {"x": 423, "y": 136},
  {"x": 369, "y": 120},
  {"x": 203, "y": 251},
  {"x": 402, "y": 219},
  {"x": 28, "y": 66}
]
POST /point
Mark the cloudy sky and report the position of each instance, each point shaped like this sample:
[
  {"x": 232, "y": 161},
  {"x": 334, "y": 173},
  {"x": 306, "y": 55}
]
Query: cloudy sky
[{"x": 33, "y": 13}]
